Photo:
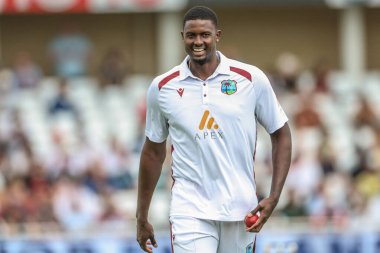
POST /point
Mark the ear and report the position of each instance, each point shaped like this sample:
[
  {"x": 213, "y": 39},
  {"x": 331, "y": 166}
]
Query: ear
[
  {"x": 182, "y": 35},
  {"x": 218, "y": 35}
]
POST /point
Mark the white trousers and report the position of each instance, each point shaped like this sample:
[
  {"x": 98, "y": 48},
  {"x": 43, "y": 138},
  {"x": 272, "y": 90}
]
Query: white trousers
[{"x": 193, "y": 235}]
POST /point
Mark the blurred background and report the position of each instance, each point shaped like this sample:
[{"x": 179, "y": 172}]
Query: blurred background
[{"x": 73, "y": 77}]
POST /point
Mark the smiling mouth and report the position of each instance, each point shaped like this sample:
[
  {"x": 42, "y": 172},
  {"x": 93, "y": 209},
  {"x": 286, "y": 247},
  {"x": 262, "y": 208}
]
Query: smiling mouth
[{"x": 198, "y": 51}]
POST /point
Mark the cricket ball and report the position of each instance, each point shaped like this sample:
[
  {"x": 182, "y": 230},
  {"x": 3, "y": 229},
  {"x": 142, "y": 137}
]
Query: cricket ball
[{"x": 249, "y": 221}]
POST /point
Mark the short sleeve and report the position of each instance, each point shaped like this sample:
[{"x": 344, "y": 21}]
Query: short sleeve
[
  {"x": 268, "y": 110},
  {"x": 156, "y": 128}
]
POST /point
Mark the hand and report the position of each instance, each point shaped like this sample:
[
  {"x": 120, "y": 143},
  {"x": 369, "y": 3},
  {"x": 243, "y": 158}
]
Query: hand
[
  {"x": 265, "y": 207},
  {"x": 145, "y": 236}
]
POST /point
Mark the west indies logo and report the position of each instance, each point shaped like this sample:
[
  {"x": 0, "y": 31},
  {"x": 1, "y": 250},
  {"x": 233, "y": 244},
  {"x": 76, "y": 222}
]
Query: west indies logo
[{"x": 229, "y": 87}]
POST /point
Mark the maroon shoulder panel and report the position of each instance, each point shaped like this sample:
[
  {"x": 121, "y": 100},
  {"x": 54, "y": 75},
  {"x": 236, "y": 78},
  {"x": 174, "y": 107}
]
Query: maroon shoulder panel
[
  {"x": 242, "y": 72},
  {"x": 167, "y": 79}
]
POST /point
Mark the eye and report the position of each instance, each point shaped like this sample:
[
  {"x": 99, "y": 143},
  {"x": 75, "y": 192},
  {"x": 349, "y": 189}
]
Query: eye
[{"x": 206, "y": 35}]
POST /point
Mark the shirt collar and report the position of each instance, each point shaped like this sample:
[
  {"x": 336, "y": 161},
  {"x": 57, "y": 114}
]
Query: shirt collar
[{"x": 222, "y": 69}]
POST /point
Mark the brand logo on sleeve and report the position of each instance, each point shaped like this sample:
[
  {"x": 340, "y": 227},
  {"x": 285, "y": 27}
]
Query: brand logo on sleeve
[
  {"x": 209, "y": 128},
  {"x": 229, "y": 87}
]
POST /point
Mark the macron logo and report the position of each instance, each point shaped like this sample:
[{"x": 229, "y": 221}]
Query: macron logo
[
  {"x": 210, "y": 122},
  {"x": 180, "y": 91}
]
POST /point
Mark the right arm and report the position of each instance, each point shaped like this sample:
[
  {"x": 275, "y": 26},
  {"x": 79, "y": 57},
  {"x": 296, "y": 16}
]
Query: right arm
[{"x": 152, "y": 158}]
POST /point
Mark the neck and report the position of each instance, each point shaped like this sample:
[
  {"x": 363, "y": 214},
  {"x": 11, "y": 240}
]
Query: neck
[{"x": 204, "y": 71}]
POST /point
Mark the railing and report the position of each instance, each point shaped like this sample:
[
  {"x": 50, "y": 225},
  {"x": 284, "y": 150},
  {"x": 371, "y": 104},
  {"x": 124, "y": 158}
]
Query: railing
[{"x": 320, "y": 224}]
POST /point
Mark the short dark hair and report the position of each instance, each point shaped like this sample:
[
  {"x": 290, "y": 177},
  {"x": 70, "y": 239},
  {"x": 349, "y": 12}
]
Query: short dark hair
[{"x": 201, "y": 12}]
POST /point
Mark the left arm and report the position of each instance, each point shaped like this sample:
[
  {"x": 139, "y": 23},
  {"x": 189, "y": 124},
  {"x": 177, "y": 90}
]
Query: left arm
[{"x": 281, "y": 157}]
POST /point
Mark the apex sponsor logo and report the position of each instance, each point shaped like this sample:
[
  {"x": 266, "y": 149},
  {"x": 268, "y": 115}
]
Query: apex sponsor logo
[
  {"x": 210, "y": 123},
  {"x": 209, "y": 128}
]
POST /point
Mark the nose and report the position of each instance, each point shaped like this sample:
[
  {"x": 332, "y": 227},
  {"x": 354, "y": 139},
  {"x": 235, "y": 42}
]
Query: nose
[{"x": 198, "y": 40}]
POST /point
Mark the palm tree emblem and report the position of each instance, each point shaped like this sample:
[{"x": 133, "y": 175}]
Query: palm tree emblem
[{"x": 229, "y": 87}]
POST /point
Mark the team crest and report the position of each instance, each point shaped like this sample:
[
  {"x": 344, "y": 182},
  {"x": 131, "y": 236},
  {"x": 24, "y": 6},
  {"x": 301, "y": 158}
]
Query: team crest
[{"x": 229, "y": 87}]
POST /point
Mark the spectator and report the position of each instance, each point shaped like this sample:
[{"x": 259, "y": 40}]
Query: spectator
[
  {"x": 4, "y": 164},
  {"x": 365, "y": 116},
  {"x": 14, "y": 208},
  {"x": 321, "y": 72},
  {"x": 116, "y": 161},
  {"x": 19, "y": 148},
  {"x": 294, "y": 206},
  {"x": 113, "y": 68},
  {"x": 56, "y": 162},
  {"x": 40, "y": 194},
  {"x": 110, "y": 213},
  {"x": 16, "y": 149},
  {"x": 75, "y": 207},
  {"x": 288, "y": 68},
  {"x": 27, "y": 73},
  {"x": 368, "y": 183},
  {"x": 70, "y": 52},
  {"x": 82, "y": 157},
  {"x": 7, "y": 82},
  {"x": 95, "y": 178},
  {"x": 307, "y": 167},
  {"x": 307, "y": 116},
  {"x": 61, "y": 103},
  {"x": 327, "y": 156}
]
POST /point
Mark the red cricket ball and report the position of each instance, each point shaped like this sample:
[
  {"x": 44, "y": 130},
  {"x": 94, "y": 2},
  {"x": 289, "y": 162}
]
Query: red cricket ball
[{"x": 249, "y": 221}]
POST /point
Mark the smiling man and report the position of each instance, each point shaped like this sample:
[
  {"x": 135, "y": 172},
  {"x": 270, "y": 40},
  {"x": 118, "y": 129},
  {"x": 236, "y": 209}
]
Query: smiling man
[{"x": 209, "y": 105}]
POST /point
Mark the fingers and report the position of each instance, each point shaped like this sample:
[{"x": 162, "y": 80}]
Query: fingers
[
  {"x": 145, "y": 244},
  {"x": 264, "y": 210},
  {"x": 145, "y": 237},
  {"x": 153, "y": 241},
  {"x": 148, "y": 249},
  {"x": 255, "y": 228},
  {"x": 257, "y": 209}
]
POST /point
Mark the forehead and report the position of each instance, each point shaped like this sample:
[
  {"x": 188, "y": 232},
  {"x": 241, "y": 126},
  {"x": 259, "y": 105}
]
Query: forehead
[{"x": 199, "y": 24}]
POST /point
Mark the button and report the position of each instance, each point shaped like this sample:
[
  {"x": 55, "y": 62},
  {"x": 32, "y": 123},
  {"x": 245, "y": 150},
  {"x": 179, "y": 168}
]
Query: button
[
  {"x": 204, "y": 84},
  {"x": 204, "y": 95}
]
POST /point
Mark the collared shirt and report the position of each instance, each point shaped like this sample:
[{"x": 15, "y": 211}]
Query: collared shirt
[{"x": 212, "y": 126}]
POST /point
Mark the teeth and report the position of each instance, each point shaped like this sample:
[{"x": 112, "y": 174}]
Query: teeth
[{"x": 198, "y": 49}]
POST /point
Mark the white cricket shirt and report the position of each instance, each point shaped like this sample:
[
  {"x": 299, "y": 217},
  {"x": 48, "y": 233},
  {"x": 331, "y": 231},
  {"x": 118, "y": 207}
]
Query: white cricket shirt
[{"x": 212, "y": 125}]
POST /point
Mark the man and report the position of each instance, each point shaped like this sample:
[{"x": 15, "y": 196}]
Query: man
[{"x": 209, "y": 106}]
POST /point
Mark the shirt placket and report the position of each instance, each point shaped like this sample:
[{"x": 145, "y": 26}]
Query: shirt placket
[{"x": 205, "y": 93}]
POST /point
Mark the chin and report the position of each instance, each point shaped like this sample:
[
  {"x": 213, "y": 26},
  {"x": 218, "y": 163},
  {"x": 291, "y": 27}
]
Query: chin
[{"x": 200, "y": 60}]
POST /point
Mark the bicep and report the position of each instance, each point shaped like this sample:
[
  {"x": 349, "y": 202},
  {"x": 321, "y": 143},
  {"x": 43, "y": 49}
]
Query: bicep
[
  {"x": 281, "y": 135},
  {"x": 154, "y": 150}
]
